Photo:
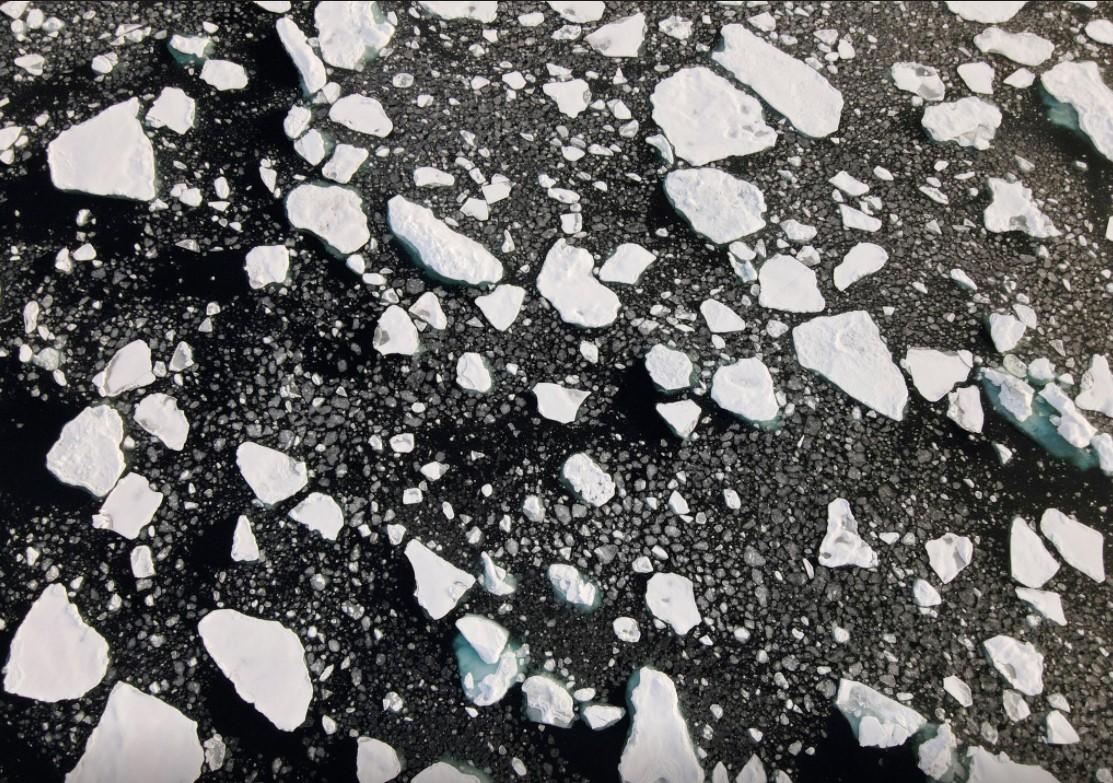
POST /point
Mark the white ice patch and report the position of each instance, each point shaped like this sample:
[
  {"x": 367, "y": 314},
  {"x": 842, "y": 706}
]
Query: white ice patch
[
  {"x": 587, "y": 479},
  {"x": 876, "y": 720},
  {"x": 848, "y": 351},
  {"x": 351, "y": 32},
  {"x": 1006, "y": 331},
  {"x": 983, "y": 766},
  {"x": 842, "y": 546},
  {"x": 558, "y": 403},
  {"x": 934, "y": 373},
  {"x": 671, "y": 599},
  {"x": 139, "y": 739},
  {"x": 622, "y": 38},
  {"x": 566, "y": 281},
  {"x": 1018, "y": 662},
  {"x": 858, "y": 220},
  {"x": 669, "y": 369},
  {"x": 985, "y": 11},
  {"x": 485, "y": 636},
  {"x": 129, "y": 507},
  {"x": 443, "y": 253},
  {"x": 502, "y": 305},
  {"x": 681, "y": 417},
  {"x": 87, "y": 453},
  {"x": 964, "y": 408},
  {"x": 129, "y": 368},
  {"x": 431, "y": 177},
  {"x": 720, "y": 319},
  {"x": 472, "y": 10},
  {"x": 978, "y": 77},
  {"x": 548, "y": 702},
  {"x": 362, "y": 114},
  {"x": 707, "y": 119},
  {"x": 579, "y": 11},
  {"x": 264, "y": 660},
  {"x": 266, "y": 265},
  {"x": 862, "y": 260},
  {"x": 790, "y": 86},
  {"x": 1047, "y": 603},
  {"x": 107, "y": 155},
  {"x": 1022, "y": 48},
  {"x": 172, "y": 109},
  {"x": 626, "y": 264},
  {"x": 159, "y": 414},
  {"x": 472, "y": 373},
  {"x": 376, "y": 762},
  {"x": 1014, "y": 209},
  {"x": 718, "y": 206},
  {"x": 658, "y": 747},
  {"x": 54, "y": 654},
  {"x": 1030, "y": 562},
  {"x": 335, "y": 214},
  {"x": 310, "y": 68},
  {"x": 346, "y": 160},
  {"x": 921, "y": 80},
  {"x": 1080, "y": 545},
  {"x": 788, "y": 285},
  {"x": 601, "y": 716},
  {"x": 745, "y": 388},
  {"x": 969, "y": 122},
  {"x": 395, "y": 333},
  {"x": 272, "y": 475},
  {"x": 571, "y": 97},
  {"x": 439, "y": 585},
  {"x": 1079, "y": 85},
  {"x": 321, "y": 513}
]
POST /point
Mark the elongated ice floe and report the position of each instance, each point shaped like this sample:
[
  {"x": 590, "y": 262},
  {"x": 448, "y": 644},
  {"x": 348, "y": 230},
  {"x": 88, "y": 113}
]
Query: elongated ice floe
[
  {"x": 1013, "y": 208},
  {"x": 351, "y": 32},
  {"x": 707, "y": 119},
  {"x": 745, "y": 388},
  {"x": 842, "y": 546},
  {"x": 310, "y": 68},
  {"x": 922, "y": 80},
  {"x": 579, "y": 11},
  {"x": 272, "y": 475},
  {"x": 445, "y": 254},
  {"x": 87, "y": 453},
  {"x": 658, "y": 747},
  {"x": 672, "y": 600},
  {"x": 1022, "y": 48},
  {"x": 567, "y": 282},
  {"x": 107, "y": 155},
  {"x": 848, "y": 351},
  {"x": 790, "y": 86},
  {"x": 876, "y": 720},
  {"x": 439, "y": 585},
  {"x": 718, "y": 206},
  {"x": 1030, "y": 562},
  {"x": 1095, "y": 390},
  {"x": 55, "y": 655},
  {"x": 264, "y": 660},
  {"x": 1079, "y": 86},
  {"x": 245, "y": 549},
  {"x": 139, "y": 739},
  {"x": 362, "y": 114},
  {"x": 985, "y": 767},
  {"x": 1080, "y": 545},
  {"x": 969, "y": 122},
  {"x": 331, "y": 212},
  {"x": 788, "y": 285}
]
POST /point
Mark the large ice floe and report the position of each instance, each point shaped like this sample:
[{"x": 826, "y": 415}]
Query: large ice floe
[
  {"x": 717, "y": 205},
  {"x": 107, "y": 155},
  {"x": 658, "y": 747}
]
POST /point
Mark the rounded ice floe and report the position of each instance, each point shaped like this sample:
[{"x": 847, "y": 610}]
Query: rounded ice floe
[
  {"x": 129, "y": 507},
  {"x": 669, "y": 369},
  {"x": 473, "y": 374},
  {"x": 351, "y": 32},
  {"x": 1013, "y": 209},
  {"x": 788, "y": 285},
  {"x": 335, "y": 214},
  {"x": 395, "y": 333},
  {"x": 107, "y": 155},
  {"x": 129, "y": 368},
  {"x": 139, "y": 739},
  {"x": 558, "y": 403},
  {"x": 622, "y": 38},
  {"x": 376, "y": 762},
  {"x": 848, "y": 351},
  {"x": 159, "y": 414},
  {"x": 548, "y": 702},
  {"x": 863, "y": 259},
  {"x": 321, "y": 513},
  {"x": 272, "y": 475},
  {"x": 876, "y": 720},
  {"x": 502, "y": 305},
  {"x": 716, "y": 205},
  {"x": 567, "y": 283},
  {"x": 362, "y": 114},
  {"x": 672, "y": 600},
  {"x": 471, "y": 10},
  {"x": 572, "y": 586},
  {"x": 949, "y": 555},
  {"x": 681, "y": 416},
  {"x": 842, "y": 546},
  {"x": 54, "y": 655},
  {"x": 1018, "y": 662},
  {"x": 745, "y": 388},
  {"x": 921, "y": 80},
  {"x": 986, "y": 11},
  {"x": 267, "y": 264},
  {"x": 707, "y": 119},
  {"x": 587, "y": 479},
  {"x": 264, "y": 660},
  {"x": 658, "y": 746},
  {"x": 934, "y": 373},
  {"x": 969, "y": 122},
  {"x": 626, "y": 264},
  {"x": 439, "y": 585},
  {"x": 1030, "y": 562},
  {"x": 87, "y": 453},
  {"x": 445, "y": 254},
  {"x": 626, "y": 629}
]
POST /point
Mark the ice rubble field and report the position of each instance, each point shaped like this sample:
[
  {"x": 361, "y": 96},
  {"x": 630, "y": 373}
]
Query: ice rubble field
[{"x": 467, "y": 391}]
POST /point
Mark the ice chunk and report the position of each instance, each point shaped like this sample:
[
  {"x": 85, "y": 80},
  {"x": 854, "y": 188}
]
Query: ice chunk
[
  {"x": 969, "y": 122},
  {"x": 395, "y": 333},
  {"x": 1059, "y": 730},
  {"x": 128, "y": 369},
  {"x": 87, "y": 453},
  {"x": 626, "y": 264},
  {"x": 1100, "y": 30},
  {"x": 849, "y": 185},
  {"x": 172, "y": 109},
  {"x": 842, "y": 546},
  {"x": 579, "y": 11},
  {"x": 978, "y": 77},
  {"x": 1080, "y": 545},
  {"x": 1095, "y": 390},
  {"x": 558, "y": 403},
  {"x": 473, "y": 10},
  {"x": 443, "y": 253},
  {"x": 548, "y": 702},
  {"x": 937, "y": 757},
  {"x": 362, "y": 114},
  {"x": 310, "y": 68},
  {"x": 264, "y": 660},
  {"x": 439, "y": 585},
  {"x": 863, "y": 259},
  {"x": 958, "y": 690},
  {"x": 601, "y": 716},
  {"x": 346, "y": 160},
  {"x": 1013, "y": 209},
  {"x": 1079, "y": 86},
  {"x": 107, "y": 155},
  {"x": 502, "y": 305},
  {"x": 587, "y": 480},
  {"x": 267, "y": 264},
  {"x": 244, "y": 547},
  {"x": 986, "y": 11},
  {"x": 681, "y": 416},
  {"x": 376, "y": 762},
  {"x": 949, "y": 555},
  {"x": 1018, "y": 662},
  {"x": 129, "y": 507},
  {"x": 1006, "y": 331},
  {"x": 224, "y": 75},
  {"x": 1022, "y": 48},
  {"x": 572, "y": 97},
  {"x": 351, "y": 32},
  {"x": 335, "y": 214},
  {"x": 858, "y": 220},
  {"x": 622, "y": 38},
  {"x": 485, "y": 636},
  {"x": 922, "y": 80},
  {"x": 272, "y": 475},
  {"x": 745, "y": 388},
  {"x": 669, "y": 369},
  {"x": 472, "y": 373},
  {"x": 848, "y": 351},
  {"x": 964, "y": 408},
  {"x": 139, "y": 739},
  {"x": 1047, "y": 603},
  {"x": 788, "y": 285},
  {"x": 716, "y": 205},
  {"x": 720, "y": 318},
  {"x": 1072, "y": 426},
  {"x": 572, "y": 586},
  {"x": 790, "y": 86},
  {"x": 983, "y": 766},
  {"x": 707, "y": 119},
  {"x": 54, "y": 654},
  {"x": 671, "y": 599},
  {"x": 934, "y": 373},
  {"x": 159, "y": 414},
  {"x": 876, "y": 720},
  {"x": 485, "y": 683},
  {"x": 925, "y": 595},
  {"x": 1031, "y": 564},
  {"x": 658, "y": 747},
  {"x": 428, "y": 309},
  {"x": 320, "y": 513},
  {"x": 566, "y": 282}
]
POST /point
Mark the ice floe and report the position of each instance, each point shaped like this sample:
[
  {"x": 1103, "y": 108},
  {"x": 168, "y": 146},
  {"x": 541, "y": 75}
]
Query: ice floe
[
  {"x": 87, "y": 453},
  {"x": 272, "y": 475},
  {"x": 788, "y": 285},
  {"x": 626, "y": 264},
  {"x": 129, "y": 368},
  {"x": 558, "y": 403},
  {"x": 1013, "y": 209},
  {"x": 921, "y": 80},
  {"x": 1022, "y": 48},
  {"x": 1030, "y": 562},
  {"x": 1080, "y": 545},
  {"x": 669, "y": 369},
  {"x": 718, "y": 206},
  {"x": 969, "y": 122},
  {"x": 548, "y": 702},
  {"x": 658, "y": 746},
  {"x": 445, "y": 254},
  {"x": 376, "y": 761},
  {"x": 395, "y": 333},
  {"x": 1079, "y": 86},
  {"x": 876, "y": 720},
  {"x": 842, "y": 546},
  {"x": 1018, "y": 662},
  {"x": 106, "y": 155},
  {"x": 172, "y": 109},
  {"x": 439, "y": 585},
  {"x": 502, "y": 305},
  {"x": 567, "y": 283},
  {"x": 333, "y": 213},
  {"x": 351, "y": 32},
  {"x": 473, "y": 374},
  {"x": 621, "y": 38},
  {"x": 935, "y": 373},
  {"x": 266, "y": 265},
  {"x": 986, "y": 11},
  {"x": 745, "y": 388},
  {"x": 671, "y": 599},
  {"x": 949, "y": 555},
  {"x": 320, "y": 513},
  {"x": 573, "y": 587},
  {"x": 862, "y": 260},
  {"x": 129, "y": 507}
]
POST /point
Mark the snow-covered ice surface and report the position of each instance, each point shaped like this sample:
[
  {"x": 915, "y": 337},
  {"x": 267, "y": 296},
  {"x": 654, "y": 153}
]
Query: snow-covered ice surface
[{"x": 585, "y": 391}]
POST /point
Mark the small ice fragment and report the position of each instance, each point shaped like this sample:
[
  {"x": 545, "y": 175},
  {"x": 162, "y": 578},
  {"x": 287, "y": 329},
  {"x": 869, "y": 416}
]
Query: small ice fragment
[{"x": 842, "y": 546}]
